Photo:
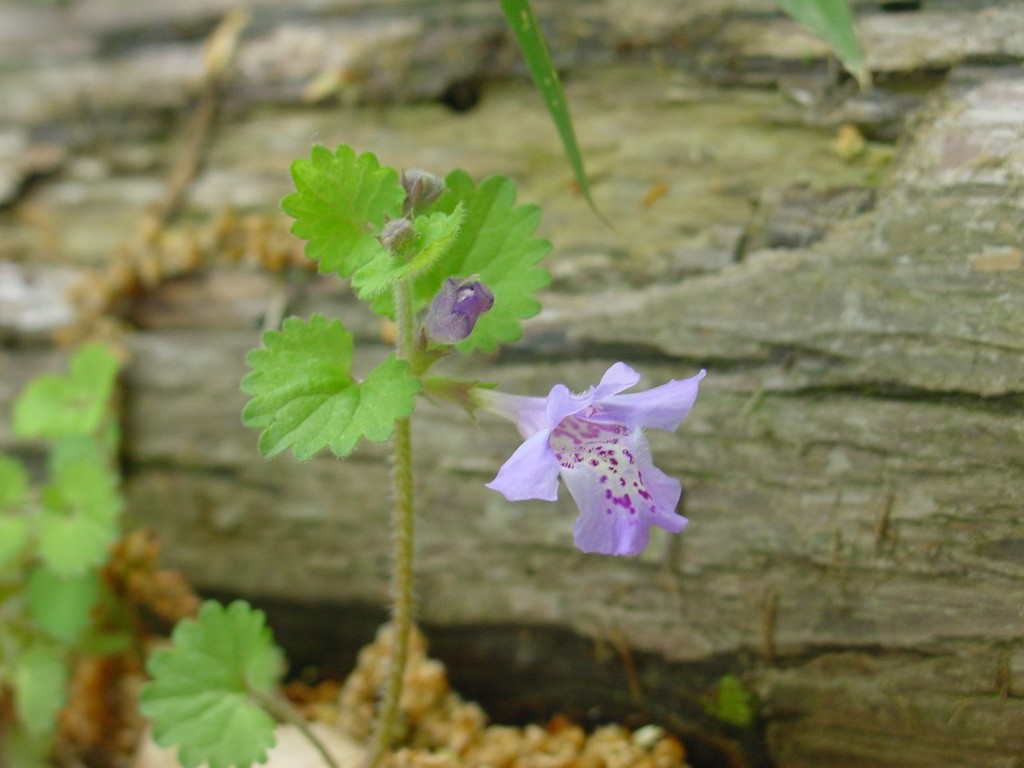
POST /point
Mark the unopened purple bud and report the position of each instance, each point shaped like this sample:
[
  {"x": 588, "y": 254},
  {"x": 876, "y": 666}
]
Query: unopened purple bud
[
  {"x": 421, "y": 189},
  {"x": 456, "y": 308},
  {"x": 398, "y": 235}
]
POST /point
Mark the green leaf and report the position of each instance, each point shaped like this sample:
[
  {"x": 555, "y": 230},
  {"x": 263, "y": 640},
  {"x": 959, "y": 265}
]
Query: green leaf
[
  {"x": 13, "y": 538},
  {"x": 71, "y": 404},
  {"x": 25, "y": 750},
  {"x": 339, "y": 202},
  {"x": 523, "y": 23},
  {"x": 105, "y": 643},
  {"x": 102, "y": 445},
  {"x": 435, "y": 235},
  {"x": 496, "y": 243},
  {"x": 731, "y": 702},
  {"x": 79, "y": 520},
  {"x": 40, "y": 687},
  {"x": 14, "y": 528},
  {"x": 61, "y": 605},
  {"x": 13, "y": 482},
  {"x": 832, "y": 21},
  {"x": 202, "y": 696},
  {"x": 305, "y": 398}
]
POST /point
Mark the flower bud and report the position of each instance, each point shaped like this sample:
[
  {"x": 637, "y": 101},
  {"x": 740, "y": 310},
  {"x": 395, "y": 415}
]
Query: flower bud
[
  {"x": 398, "y": 235},
  {"x": 456, "y": 308},
  {"x": 421, "y": 189}
]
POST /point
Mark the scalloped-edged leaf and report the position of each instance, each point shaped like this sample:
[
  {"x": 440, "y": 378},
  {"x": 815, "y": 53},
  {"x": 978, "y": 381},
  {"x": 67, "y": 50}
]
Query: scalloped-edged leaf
[
  {"x": 496, "y": 243},
  {"x": 305, "y": 398},
  {"x": 94, "y": 447},
  {"x": 13, "y": 482},
  {"x": 13, "y": 538},
  {"x": 25, "y": 750},
  {"x": 71, "y": 404},
  {"x": 14, "y": 528},
  {"x": 203, "y": 694},
  {"x": 79, "y": 519},
  {"x": 340, "y": 203},
  {"x": 40, "y": 687},
  {"x": 61, "y": 605},
  {"x": 435, "y": 234}
]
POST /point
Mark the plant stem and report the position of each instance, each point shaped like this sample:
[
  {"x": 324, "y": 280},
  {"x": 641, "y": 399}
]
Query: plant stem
[
  {"x": 402, "y": 524},
  {"x": 282, "y": 711}
]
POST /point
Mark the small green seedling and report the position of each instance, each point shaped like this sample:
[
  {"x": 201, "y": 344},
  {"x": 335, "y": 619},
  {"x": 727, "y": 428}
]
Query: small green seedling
[{"x": 54, "y": 536}]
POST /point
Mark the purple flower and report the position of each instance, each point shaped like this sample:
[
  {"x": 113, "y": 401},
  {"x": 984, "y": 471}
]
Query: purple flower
[
  {"x": 456, "y": 308},
  {"x": 595, "y": 441}
]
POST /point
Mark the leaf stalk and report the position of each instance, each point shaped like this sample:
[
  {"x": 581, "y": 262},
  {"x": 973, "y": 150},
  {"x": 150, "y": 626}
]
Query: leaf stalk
[{"x": 283, "y": 712}]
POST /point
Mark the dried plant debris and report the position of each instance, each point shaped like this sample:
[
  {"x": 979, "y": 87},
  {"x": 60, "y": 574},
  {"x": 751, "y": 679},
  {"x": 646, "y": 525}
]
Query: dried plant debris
[
  {"x": 136, "y": 576},
  {"x": 440, "y": 729}
]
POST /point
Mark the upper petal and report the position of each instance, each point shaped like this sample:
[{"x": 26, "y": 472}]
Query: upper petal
[
  {"x": 662, "y": 407},
  {"x": 531, "y": 472},
  {"x": 562, "y": 403},
  {"x": 616, "y": 379}
]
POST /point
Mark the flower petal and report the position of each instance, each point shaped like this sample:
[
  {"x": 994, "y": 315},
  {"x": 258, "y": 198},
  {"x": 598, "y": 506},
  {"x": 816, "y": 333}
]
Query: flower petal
[
  {"x": 531, "y": 472},
  {"x": 456, "y": 308},
  {"x": 662, "y": 407},
  {"x": 665, "y": 492},
  {"x": 595, "y": 441},
  {"x": 619, "y": 503},
  {"x": 528, "y": 413},
  {"x": 601, "y": 533},
  {"x": 562, "y": 403},
  {"x": 616, "y": 379}
]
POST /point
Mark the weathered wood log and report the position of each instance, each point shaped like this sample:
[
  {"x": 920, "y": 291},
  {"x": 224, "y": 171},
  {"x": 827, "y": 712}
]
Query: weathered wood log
[{"x": 853, "y": 465}]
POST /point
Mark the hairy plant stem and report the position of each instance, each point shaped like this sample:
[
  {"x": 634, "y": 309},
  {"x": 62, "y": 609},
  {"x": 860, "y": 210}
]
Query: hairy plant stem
[{"x": 402, "y": 524}]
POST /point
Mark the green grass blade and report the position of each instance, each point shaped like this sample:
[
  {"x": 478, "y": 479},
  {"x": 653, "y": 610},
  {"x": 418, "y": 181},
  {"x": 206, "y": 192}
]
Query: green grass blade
[
  {"x": 523, "y": 23},
  {"x": 832, "y": 21}
]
